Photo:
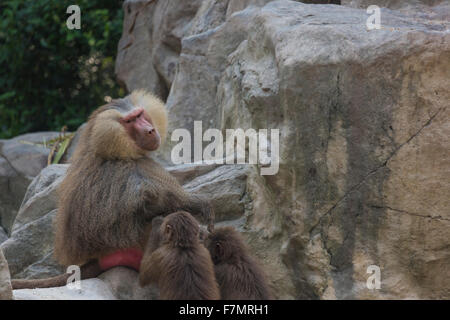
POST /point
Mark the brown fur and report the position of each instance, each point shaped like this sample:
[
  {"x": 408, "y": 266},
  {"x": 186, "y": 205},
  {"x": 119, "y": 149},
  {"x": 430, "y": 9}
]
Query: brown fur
[
  {"x": 155, "y": 238},
  {"x": 113, "y": 189},
  {"x": 239, "y": 275},
  {"x": 181, "y": 266}
]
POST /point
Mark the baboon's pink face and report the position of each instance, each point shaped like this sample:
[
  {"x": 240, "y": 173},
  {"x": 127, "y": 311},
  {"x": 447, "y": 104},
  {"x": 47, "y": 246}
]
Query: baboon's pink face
[{"x": 140, "y": 128}]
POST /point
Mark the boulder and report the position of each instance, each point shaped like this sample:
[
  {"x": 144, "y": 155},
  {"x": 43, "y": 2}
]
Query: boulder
[
  {"x": 225, "y": 187},
  {"x": 5, "y": 280},
  {"x": 391, "y": 4},
  {"x": 21, "y": 159},
  {"x": 186, "y": 172},
  {"x": 29, "y": 249},
  {"x": 362, "y": 115},
  {"x": 3, "y": 235},
  {"x": 205, "y": 49},
  {"x": 150, "y": 44}
]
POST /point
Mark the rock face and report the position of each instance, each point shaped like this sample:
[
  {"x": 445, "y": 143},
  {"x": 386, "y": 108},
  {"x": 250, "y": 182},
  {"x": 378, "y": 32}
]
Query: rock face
[
  {"x": 20, "y": 161},
  {"x": 3, "y": 236},
  {"x": 5, "y": 280},
  {"x": 391, "y": 4},
  {"x": 151, "y": 43},
  {"x": 29, "y": 250},
  {"x": 363, "y": 117}
]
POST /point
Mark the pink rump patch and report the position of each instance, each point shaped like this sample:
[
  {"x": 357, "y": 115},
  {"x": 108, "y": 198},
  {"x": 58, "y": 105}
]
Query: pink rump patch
[{"x": 124, "y": 257}]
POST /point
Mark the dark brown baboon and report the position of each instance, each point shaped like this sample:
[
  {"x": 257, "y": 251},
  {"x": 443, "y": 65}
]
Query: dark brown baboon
[
  {"x": 238, "y": 274},
  {"x": 113, "y": 188},
  {"x": 181, "y": 266}
]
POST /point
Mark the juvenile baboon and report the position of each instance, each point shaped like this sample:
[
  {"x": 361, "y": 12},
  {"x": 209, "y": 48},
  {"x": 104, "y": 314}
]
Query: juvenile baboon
[
  {"x": 113, "y": 188},
  {"x": 238, "y": 274},
  {"x": 181, "y": 266}
]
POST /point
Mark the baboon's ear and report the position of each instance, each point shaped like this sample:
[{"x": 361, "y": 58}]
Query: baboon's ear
[{"x": 169, "y": 232}]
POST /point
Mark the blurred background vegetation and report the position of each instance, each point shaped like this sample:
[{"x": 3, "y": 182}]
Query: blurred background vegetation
[{"x": 51, "y": 76}]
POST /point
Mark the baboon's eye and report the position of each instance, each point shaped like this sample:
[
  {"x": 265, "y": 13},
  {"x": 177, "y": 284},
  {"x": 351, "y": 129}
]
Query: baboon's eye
[{"x": 219, "y": 249}]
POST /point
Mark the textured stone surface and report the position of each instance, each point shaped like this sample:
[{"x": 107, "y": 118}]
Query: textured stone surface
[
  {"x": 365, "y": 145},
  {"x": 225, "y": 187},
  {"x": 186, "y": 172},
  {"x": 150, "y": 44},
  {"x": 203, "y": 58},
  {"x": 3, "y": 235},
  {"x": 20, "y": 162},
  {"x": 392, "y": 4},
  {"x": 29, "y": 250},
  {"x": 5, "y": 280}
]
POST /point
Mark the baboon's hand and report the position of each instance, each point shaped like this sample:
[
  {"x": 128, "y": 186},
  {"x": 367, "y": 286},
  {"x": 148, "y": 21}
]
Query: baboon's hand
[
  {"x": 204, "y": 210},
  {"x": 208, "y": 215}
]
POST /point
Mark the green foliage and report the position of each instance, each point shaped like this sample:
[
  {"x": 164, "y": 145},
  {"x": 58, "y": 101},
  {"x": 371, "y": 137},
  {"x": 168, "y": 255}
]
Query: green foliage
[{"x": 51, "y": 76}]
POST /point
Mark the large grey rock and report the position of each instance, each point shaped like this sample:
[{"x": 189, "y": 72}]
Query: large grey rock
[
  {"x": 425, "y": 10},
  {"x": 20, "y": 161},
  {"x": 363, "y": 146},
  {"x": 29, "y": 249},
  {"x": 134, "y": 68},
  {"x": 203, "y": 58},
  {"x": 150, "y": 44},
  {"x": 3, "y": 235},
  {"x": 186, "y": 172},
  {"x": 226, "y": 188},
  {"x": 5, "y": 280},
  {"x": 116, "y": 284},
  {"x": 212, "y": 13},
  {"x": 392, "y": 4}
]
